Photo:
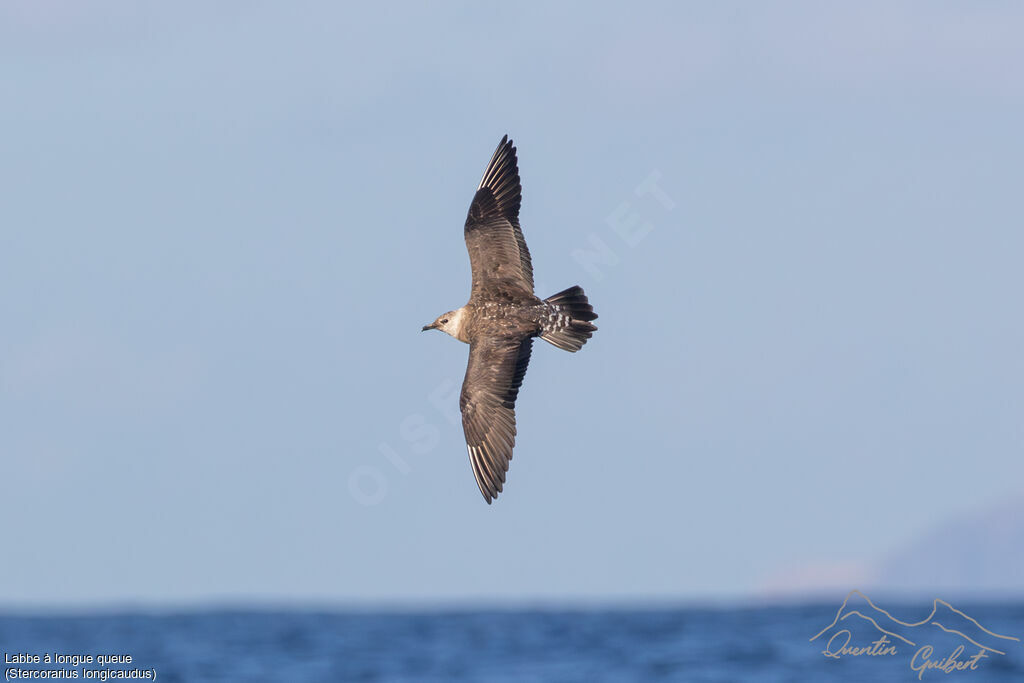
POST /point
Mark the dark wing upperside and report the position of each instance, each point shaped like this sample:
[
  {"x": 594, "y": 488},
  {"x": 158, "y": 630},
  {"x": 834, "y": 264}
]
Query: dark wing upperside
[
  {"x": 497, "y": 250},
  {"x": 493, "y": 377}
]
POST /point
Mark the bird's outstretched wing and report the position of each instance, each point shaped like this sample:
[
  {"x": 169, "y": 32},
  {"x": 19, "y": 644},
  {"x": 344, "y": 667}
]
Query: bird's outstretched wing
[
  {"x": 497, "y": 250},
  {"x": 493, "y": 377}
]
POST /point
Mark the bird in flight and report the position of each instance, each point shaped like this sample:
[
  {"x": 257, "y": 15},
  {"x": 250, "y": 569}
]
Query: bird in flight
[{"x": 501, "y": 319}]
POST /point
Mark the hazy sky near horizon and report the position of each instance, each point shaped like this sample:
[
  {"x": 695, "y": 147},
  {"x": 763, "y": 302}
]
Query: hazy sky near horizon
[{"x": 222, "y": 227}]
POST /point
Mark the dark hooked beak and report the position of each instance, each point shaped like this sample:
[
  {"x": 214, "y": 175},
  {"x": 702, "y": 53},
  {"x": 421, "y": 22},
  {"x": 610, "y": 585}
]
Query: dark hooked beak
[{"x": 431, "y": 326}]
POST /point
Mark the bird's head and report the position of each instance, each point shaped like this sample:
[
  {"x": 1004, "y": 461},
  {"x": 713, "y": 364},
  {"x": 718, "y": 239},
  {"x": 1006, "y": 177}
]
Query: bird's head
[{"x": 449, "y": 323}]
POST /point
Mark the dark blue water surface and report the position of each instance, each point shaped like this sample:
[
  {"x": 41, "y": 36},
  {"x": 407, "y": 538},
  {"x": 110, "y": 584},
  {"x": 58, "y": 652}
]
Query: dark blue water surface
[{"x": 763, "y": 644}]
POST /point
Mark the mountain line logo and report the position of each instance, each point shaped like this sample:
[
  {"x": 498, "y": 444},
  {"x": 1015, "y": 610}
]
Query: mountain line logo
[{"x": 957, "y": 643}]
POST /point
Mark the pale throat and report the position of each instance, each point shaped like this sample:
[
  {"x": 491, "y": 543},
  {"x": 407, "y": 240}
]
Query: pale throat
[{"x": 455, "y": 324}]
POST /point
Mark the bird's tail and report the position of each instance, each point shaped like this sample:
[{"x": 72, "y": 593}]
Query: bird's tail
[{"x": 568, "y": 325}]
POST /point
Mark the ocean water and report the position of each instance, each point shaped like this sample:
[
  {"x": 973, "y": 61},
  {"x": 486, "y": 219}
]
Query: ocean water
[{"x": 585, "y": 645}]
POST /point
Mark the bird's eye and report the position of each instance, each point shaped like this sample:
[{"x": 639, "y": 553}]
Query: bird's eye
[{"x": 444, "y": 321}]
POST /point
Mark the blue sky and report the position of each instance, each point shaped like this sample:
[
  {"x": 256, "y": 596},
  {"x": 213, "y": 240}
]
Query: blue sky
[{"x": 221, "y": 230}]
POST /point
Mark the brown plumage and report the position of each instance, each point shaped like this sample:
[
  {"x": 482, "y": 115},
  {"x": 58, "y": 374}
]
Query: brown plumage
[{"x": 501, "y": 319}]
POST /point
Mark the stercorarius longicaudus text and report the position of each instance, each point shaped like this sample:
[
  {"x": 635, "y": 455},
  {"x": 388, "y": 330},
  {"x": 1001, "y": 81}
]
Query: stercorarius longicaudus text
[{"x": 502, "y": 318}]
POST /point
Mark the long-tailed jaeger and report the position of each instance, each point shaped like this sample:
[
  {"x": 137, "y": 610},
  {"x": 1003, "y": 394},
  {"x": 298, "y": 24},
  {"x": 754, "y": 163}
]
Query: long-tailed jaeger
[{"x": 502, "y": 318}]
